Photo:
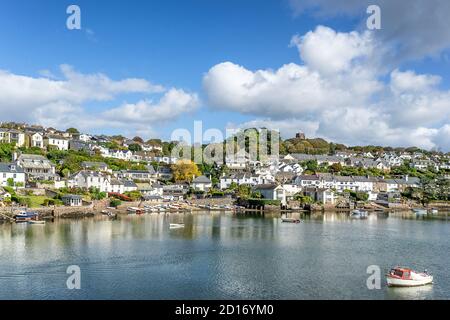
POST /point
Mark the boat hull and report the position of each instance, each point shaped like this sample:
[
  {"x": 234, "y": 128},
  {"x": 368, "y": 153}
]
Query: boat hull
[{"x": 393, "y": 282}]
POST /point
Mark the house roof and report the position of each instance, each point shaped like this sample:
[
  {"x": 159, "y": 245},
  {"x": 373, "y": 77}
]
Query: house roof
[
  {"x": 7, "y": 167},
  {"x": 129, "y": 184},
  {"x": 72, "y": 197},
  {"x": 202, "y": 179},
  {"x": 54, "y": 136},
  {"x": 266, "y": 186},
  {"x": 90, "y": 164}
]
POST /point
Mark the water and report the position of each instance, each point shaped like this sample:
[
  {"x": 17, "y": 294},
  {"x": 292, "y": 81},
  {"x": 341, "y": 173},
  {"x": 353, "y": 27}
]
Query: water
[{"x": 221, "y": 256}]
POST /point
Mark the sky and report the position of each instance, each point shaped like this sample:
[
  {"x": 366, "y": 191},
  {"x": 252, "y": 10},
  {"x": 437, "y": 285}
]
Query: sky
[{"x": 149, "y": 67}]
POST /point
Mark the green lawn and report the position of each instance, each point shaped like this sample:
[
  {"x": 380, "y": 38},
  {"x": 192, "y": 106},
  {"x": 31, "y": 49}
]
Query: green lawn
[{"x": 36, "y": 201}]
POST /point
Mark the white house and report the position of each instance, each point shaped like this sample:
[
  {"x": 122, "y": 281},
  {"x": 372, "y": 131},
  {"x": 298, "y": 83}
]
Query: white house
[
  {"x": 272, "y": 192},
  {"x": 87, "y": 179},
  {"x": 120, "y": 154},
  {"x": 12, "y": 171},
  {"x": 56, "y": 141},
  {"x": 72, "y": 200},
  {"x": 36, "y": 140},
  {"x": 116, "y": 186},
  {"x": 201, "y": 183},
  {"x": 85, "y": 137},
  {"x": 321, "y": 195}
]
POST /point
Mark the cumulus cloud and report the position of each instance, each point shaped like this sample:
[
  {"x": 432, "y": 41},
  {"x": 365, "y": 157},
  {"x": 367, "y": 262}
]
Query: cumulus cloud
[
  {"x": 411, "y": 29},
  {"x": 340, "y": 91},
  {"x": 173, "y": 104},
  {"x": 55, "y": 100}
]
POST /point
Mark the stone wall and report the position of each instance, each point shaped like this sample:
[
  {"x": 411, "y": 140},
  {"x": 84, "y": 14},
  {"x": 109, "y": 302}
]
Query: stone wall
[{"x": 213, "y": 201}]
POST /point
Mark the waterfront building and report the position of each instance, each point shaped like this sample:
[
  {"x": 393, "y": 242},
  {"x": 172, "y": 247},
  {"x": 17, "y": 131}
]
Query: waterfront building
[
  {"x": 272, "y": 192},
  {"x": 72, "y": 200},
  {"x": 201, "y": 183},
  {"x": 12, "y": 172}
]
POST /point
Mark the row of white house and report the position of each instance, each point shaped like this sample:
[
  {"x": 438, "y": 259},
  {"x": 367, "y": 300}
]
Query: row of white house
[{"x": 104, "y": 182}]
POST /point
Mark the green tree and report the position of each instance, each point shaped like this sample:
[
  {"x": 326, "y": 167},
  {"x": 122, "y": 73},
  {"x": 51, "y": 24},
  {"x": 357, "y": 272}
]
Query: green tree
[
  {"x": 135, "y": 147},
  {"x": 72, "y": 131}
]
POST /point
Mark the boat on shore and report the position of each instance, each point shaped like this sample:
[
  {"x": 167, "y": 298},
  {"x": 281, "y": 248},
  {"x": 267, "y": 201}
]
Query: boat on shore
[
  {"x": 405, "y": 277},
  {"x": 135, "y": 210},
  {"x": 291, "y": 220}
]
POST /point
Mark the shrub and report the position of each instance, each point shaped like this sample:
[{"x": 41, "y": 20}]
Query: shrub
[{"x": 115, "y": 203}]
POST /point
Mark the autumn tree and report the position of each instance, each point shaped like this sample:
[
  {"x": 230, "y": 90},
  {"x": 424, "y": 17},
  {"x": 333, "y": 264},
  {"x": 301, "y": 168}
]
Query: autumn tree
[
  {"x": 138, "y": 139},
  {"x": 185, "y": 170}
]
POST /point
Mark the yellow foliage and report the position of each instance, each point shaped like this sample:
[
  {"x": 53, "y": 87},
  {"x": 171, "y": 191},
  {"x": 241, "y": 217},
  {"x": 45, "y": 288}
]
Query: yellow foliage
[{"x": 185, "y": 170}]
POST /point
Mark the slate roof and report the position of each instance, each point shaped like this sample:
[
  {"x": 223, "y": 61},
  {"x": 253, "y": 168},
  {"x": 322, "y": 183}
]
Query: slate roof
[{"x": 202, "y": 179}]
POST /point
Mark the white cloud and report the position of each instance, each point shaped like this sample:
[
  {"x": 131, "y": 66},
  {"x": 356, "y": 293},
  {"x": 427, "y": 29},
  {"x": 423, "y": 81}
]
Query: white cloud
[
  {"x": 340, "y": 89},
  {"x": 410, "y": 29},
  {"x": 172, "y": 105},
  {"x": 348, "y": 49},
  {"x": 63, "y": 102}
]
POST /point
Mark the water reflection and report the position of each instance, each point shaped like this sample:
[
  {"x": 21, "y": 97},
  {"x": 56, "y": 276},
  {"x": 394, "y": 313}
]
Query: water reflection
[
  {"x": 412, "y": 293},
  {"x": 223, "y": 256}
]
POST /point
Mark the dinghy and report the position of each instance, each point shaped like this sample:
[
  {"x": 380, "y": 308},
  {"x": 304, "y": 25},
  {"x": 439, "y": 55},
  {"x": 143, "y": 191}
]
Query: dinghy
[
  {"x": 176, "y": 225},
  {"x": 290, "y": 220}
]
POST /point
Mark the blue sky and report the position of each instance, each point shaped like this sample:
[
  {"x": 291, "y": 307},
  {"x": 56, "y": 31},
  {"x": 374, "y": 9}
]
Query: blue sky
[{"x": 174, "y": 44}]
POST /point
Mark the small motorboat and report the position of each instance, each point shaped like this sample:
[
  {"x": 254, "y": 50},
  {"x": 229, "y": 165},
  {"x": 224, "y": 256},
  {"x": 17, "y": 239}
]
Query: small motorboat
[
  {"x": 176, "y": 225},
  {"x": 359, "y": 214},
  {"x": 38, "y": 222},
  {"x": 434, "y": 211},
  {"x": 106, "y": 212},
  {"x": 25, "y": 216},
  {"x": 290, "y": 220},
  {"x": 405, "y": 277}
]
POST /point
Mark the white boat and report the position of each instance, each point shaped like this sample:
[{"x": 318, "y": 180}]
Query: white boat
[
  {"x": 36, "y": 222},
  {"x": 290, "y": 220},
  {"x": 405, "y": 277},
  {"x": 176, "y": 225},
  {"x": 135, "y": 210},
  {"x": 420, "y": 212},
  {"x": 434, "y": 211},
  {"x": 359, "y": 214}
]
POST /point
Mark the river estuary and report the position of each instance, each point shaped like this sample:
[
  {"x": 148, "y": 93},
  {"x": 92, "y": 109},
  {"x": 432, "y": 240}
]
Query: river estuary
[{"x": 223, "y": 256}]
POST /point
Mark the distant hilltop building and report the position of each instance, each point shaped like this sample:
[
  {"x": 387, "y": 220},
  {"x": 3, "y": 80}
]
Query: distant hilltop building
[{"x": 300, "y": 135}]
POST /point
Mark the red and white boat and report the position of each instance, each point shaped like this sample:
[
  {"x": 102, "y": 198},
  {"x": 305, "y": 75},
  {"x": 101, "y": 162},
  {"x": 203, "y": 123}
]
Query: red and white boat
[{"x": 405, "y": 277}]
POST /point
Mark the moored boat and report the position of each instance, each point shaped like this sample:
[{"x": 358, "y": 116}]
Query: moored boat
[
  {"x": 25, "y": 216},
  {"x": 420, "y": 212},
  {"x": 359, "y": 214},
  {"x": 38, "y": 222},
  {"x": 290, "y": 220},
  {"x": 135, "y": 210},
  {"x": 405, "y": 277},
  {"x": 176, "y": 225}
]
